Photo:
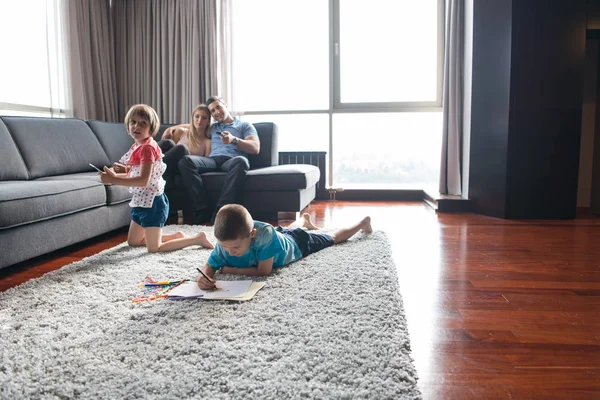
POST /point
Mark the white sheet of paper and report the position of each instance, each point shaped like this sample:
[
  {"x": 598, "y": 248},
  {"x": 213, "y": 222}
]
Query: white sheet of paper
[{"x": 226, "y": 289}]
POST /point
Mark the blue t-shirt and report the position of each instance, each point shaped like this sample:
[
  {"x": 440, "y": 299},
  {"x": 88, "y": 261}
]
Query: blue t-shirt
[
  {"x": 240, "y": 129},
  {"x": 266, "y": 244}
]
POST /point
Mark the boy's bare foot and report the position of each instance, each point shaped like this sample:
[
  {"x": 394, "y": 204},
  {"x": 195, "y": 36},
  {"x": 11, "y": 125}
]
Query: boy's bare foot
[
  {"x": 305, "y": 222},
  {"x": 365, "y": 225},
  {"x": 203, "y": 241}
]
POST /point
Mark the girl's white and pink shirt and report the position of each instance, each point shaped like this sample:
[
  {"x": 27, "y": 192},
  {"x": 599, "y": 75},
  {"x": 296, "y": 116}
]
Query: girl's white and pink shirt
[{"x": 139, "y": 154}]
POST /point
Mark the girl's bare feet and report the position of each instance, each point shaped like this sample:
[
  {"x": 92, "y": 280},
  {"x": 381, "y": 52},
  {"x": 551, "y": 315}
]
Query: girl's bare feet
[
  {"x": 178, "y": 235},
  {"x": 365, "y": 225},
  {"x": 203, "y": 241}
]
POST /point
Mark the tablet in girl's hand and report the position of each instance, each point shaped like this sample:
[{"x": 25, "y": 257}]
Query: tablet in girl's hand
[{"x": 96, "y": 168}]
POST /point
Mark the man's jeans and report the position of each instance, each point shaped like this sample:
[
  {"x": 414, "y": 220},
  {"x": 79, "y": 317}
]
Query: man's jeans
[{"x": 191, "y": 167}]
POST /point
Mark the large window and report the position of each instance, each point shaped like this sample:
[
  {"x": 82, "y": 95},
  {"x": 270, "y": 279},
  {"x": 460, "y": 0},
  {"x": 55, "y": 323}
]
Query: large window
[
  {"x": 32, "y": 80},
  {"x": 360, "y": 81},
  {"x": 386, "y": 54},
  {"x": 280, "y": 55}
]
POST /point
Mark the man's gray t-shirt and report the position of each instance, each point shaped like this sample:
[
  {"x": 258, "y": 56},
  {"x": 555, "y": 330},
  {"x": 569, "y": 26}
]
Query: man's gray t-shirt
[{"x": 239, "y": 129}]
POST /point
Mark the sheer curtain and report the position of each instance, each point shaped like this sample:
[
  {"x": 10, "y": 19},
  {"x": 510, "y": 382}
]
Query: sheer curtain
[
  {"x": 452, "y": 134},
  {"x": 61, "y": 103},
  {"x": 33, "y": 73},
  {"x": 167, "y": 54},
  {"x": 224, "y": 56}
]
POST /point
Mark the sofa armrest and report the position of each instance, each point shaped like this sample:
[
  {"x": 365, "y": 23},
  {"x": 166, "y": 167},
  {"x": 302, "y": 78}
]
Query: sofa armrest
[{"x": 316, "y": 158}]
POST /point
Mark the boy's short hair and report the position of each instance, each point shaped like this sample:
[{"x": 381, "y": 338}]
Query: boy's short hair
[
  {"x": 144, "y": 111},
  {"x": 233, "y": 222},
  {"x": 212, "y": 99}
]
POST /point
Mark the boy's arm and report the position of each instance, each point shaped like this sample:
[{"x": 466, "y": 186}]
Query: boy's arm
[
  {"x": 265, "y": 267},
  {"x": 109, "y": 176},
  {"x": 202, "y": 282}
]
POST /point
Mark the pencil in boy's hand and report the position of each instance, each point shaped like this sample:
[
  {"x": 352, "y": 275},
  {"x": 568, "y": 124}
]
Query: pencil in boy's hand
[{"x": 206, "y": 277}]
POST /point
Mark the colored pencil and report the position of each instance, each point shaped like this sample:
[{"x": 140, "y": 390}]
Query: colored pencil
[{"x": 204, "y": 275}]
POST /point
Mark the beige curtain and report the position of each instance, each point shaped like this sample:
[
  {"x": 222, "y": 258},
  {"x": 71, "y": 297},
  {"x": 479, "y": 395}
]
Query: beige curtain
[
  {"x": 166, "y": 54},
  {"x": 91, "y": 58}
]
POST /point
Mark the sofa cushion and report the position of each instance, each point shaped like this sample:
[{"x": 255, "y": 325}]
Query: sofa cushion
[
  {"x": 278, "y": 178},
  {"x": 55, "y": 146},
  {"x": 115, "y": 194},
  {"x": 13, "y": 167},
  {"x": 113, "y": 137},
  {"x": 23, "y": 202},
  {"x": 268, "y": 134}
]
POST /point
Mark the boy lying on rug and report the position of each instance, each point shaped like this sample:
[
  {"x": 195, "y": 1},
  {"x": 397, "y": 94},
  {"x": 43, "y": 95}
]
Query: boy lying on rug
[{"x": 248, "y": 247}]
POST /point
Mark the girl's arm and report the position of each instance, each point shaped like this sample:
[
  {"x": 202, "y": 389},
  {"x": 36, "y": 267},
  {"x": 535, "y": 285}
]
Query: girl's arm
[
  {"x": 120, "y": 168},
  {"x": 265, "y": 267},
  {"x": 207, "y": 148},
  {"x": 108, "y": 176}
]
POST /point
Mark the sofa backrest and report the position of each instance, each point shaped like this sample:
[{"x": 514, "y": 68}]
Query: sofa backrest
[
  {"x": 55, "y": 146},
  {"x": 12, "y": 166},
  {"x": 34, "y": 147},
  {"x": 268, "y": 134},
  {"x": 113, "y": 137},
  {"x": 161, "y": 130}
]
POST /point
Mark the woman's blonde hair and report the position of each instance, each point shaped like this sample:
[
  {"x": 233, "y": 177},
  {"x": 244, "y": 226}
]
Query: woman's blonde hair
[
  {"x": 194, "y": 135},
  {"x": 144, "y": 111}
]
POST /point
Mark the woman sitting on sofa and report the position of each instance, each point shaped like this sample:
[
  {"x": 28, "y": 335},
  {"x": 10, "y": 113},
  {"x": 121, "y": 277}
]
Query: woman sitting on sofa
[{"x": 184, "y": 139}]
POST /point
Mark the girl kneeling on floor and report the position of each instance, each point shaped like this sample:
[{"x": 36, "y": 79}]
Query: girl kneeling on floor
[{"x": 141, "y": 168}]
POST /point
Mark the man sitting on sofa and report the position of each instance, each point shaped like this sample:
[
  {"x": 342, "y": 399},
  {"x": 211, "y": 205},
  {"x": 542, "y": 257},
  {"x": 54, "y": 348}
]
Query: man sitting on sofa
[{"x": 232, "y": 141}]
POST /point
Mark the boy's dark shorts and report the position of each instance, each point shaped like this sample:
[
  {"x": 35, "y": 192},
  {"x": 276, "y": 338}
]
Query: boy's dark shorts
[
  {"x": 154, "y": 217},
  {"x": 308, "y": 242}
]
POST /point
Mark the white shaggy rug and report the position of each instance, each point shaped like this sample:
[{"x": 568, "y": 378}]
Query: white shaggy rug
[{"x": 330, "y": 326}]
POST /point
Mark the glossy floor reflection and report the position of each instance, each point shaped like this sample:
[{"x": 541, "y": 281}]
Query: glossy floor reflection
[{"x": 495, "y": 308}]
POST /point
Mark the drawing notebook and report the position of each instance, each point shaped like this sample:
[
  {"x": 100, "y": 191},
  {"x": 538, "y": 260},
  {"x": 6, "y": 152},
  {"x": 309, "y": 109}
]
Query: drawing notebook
[{"x": 227, "y": 290}]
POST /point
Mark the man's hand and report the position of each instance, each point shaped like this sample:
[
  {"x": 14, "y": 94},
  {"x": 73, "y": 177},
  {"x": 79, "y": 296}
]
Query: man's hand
[{"x": 226, "y": 137}]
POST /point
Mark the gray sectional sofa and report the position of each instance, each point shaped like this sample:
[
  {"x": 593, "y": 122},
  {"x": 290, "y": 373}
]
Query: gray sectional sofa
[{"x": 51, "y": 198}]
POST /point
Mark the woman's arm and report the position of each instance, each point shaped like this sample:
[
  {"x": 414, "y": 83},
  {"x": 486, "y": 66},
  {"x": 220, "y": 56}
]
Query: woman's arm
[
  {"x": 109, "y": 176},
  {"x": 174, "y": 132},
  {"x": 265, "y": 267},
  {"x": 207, "y": 148}
]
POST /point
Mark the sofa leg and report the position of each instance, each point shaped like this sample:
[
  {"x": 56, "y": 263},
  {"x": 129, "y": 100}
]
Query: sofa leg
[{"x": 288, "y": 215}]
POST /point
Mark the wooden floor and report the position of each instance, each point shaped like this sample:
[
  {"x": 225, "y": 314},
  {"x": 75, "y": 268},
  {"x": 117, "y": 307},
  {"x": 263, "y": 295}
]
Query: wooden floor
[{"x": 495, "y": 308}]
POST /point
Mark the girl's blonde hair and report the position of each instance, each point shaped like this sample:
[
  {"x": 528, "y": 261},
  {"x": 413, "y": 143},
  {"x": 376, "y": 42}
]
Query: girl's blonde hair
[
  {"x": 194, "y": 135},
  {"x": 144, "y": 111}
]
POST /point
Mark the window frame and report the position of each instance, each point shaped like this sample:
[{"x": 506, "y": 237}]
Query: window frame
[
  {"x": 335, "y": 105},
  {"x": 335, "y": 71}
]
